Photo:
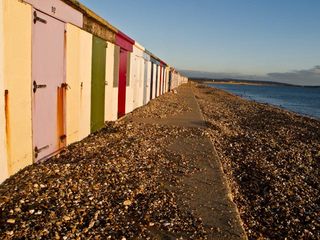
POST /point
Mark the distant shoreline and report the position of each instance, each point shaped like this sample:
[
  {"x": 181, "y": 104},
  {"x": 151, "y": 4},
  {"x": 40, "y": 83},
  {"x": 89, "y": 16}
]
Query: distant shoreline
[
  {"x": 245, "y": 82},
  {"x": 239, "y": 83}
]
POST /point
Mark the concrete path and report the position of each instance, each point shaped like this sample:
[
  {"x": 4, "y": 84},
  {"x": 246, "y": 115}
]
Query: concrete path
[{"x": 206, "y": 192}]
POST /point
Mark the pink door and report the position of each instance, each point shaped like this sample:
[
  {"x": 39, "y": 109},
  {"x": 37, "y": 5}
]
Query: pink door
[
  {"x": 122, "y": 83},
  {"x": 48, "y": 90}
]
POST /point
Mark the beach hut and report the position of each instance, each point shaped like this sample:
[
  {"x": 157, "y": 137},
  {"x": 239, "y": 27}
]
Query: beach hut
[
  {"x": 147, "y": 78},
  {"x": 126, "y": 47}
]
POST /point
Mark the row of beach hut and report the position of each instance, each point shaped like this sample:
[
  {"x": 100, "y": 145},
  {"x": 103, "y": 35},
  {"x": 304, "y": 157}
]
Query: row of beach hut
[{"x": 64, "y": 72}]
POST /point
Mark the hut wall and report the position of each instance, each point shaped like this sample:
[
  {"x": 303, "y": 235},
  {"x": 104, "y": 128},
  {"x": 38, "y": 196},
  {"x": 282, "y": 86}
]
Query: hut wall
[
  {"x": 17, "y": 20},
  {"x": 3, "y": 150}
]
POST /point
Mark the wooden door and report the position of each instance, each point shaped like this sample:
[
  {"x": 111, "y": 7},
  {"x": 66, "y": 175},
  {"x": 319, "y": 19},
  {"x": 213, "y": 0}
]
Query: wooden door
[
  {"x": 122, "y": 83},
  {"x": 48, "y": 88},
  {"x": 98, "y": 83}
]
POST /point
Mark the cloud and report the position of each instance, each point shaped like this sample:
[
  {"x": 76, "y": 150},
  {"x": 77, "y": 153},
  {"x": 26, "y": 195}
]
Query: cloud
[
  {"x": 301, "y": 77},
  {"x": 298, "y": 77}
]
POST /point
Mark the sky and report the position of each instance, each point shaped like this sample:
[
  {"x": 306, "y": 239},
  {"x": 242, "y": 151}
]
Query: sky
[{"x": 255, "y": 39}]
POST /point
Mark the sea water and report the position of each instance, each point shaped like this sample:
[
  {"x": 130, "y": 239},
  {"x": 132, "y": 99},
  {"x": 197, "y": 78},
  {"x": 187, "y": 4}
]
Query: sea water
[{"x": 302, "y": 100}]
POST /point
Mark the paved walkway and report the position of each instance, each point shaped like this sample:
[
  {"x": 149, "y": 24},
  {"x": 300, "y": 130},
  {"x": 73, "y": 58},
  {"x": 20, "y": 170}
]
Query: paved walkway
[{"x": 206, "y": 192}]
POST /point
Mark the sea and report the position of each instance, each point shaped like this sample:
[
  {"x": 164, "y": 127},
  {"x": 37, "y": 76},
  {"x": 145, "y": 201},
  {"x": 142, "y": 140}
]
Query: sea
[{"x": 302, "y": 100}]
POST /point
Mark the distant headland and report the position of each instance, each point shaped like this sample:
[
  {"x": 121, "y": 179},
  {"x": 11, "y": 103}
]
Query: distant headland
[{"x": 245, "y": 82}]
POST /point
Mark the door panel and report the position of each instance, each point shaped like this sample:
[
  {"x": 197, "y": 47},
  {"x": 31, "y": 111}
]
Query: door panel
[
  {"x": 48, "y": 91},
  {"x": 145, "y": 82},
  {"x": 156, "y": 81},
  {"x": 160, "y": 81},
  {"x": 151, "y": 82},
  {"x": 98, "y": 83},
  {"x": 122, "y": 83}
]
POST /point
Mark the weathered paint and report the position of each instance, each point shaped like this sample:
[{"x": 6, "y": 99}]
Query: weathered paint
[
  {"x": 17, "y": 78},
  {"x": 98, "y": 83},
  {"x": 122, "y": 83},
  {"x": 58, "y": 10},
  {"x": 85, "y": 70},
  {"x": 48, "y": 102},
  {"x": 94, "y": 26},
  {"x": 3, "y": 150},
  {"x": 111, "y": 96}
]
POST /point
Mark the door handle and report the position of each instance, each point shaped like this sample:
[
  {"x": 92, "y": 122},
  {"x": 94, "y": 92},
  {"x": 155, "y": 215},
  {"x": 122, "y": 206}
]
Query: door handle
[{"x": 36, "y": 86}]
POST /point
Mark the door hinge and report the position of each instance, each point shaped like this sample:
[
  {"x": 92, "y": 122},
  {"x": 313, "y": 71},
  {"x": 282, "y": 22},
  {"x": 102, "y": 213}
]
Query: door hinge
[
  {"x": 65, "y": 85},
  {"x": 63, "y": 137},
  {"x": 36, "y": 86},
  {"x": 38, "y": 150},
  {"x": 38, "y": 19}
]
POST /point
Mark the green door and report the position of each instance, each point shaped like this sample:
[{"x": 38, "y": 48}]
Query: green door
[{"x": 98, "y": 83}]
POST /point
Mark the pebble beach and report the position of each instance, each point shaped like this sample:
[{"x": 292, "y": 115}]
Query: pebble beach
[
  {"x": 126, "y": 182},
  {"x": 272, "y": 159}
]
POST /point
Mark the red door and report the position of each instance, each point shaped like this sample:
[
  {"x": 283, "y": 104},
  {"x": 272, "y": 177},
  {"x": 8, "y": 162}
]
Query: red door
[
  {"x": 48, "y": 90},
  {"x": 122, "y": 83}
]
